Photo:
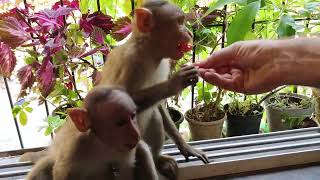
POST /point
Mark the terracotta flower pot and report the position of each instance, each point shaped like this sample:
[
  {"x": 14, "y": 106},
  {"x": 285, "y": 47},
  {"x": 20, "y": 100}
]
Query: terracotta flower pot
[
  {"x": 204, "y": 130},
  {"x": 274, "y": 114}
]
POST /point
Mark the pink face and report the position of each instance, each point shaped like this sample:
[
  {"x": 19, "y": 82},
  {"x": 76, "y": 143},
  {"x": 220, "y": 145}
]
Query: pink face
[
  {"x": 116, "y": 123},
  {"x": 174, "y": 38}
]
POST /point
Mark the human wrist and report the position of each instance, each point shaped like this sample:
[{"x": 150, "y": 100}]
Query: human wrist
[{"x": 298, "y": 61}]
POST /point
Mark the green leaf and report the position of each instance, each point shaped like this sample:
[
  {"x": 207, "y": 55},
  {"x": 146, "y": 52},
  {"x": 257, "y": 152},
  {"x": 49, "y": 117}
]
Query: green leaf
[
  {"x": 29, "y": 60},
  {"x": 23, "y": 118},
  {"x": 25, "y": 104},
  {"x": 55, "y": 121},
  {"x": 48, "y": 131},
  {"x": 220, "y": 4},
  {"x": 242, "y": 22},
  {"x": 84, "y": 6},
  {"x": 29, "y": 109},
  {"x": 16, "y": 109},
  {"x": 185, "y": 92},
  {"x": 72, "y": 94},
  {"x": 286, "y": 26}
]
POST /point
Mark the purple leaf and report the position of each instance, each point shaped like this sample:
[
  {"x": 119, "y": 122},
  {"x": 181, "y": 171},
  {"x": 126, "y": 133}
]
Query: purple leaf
[
  {"x": 7, "y": 60},
  {"x": 122, "y": 28},
  {"x": 12, "y": 32},
  {"x": 87, "y": 22},
  {"x": 98, "y": 35},
  {"x": 54, "y": 45},
  {"x": 92, "y": 51},
  {"x": 26, "y": 78},
  {"x": 73, "y": 4},
  {"x": 104, "y": 50},
  {"x": 3, "y": 1},
  {"x": 76, "y": 52},
  {"x": 45, "y": 77},
  {"x": 51, "y": 19}
]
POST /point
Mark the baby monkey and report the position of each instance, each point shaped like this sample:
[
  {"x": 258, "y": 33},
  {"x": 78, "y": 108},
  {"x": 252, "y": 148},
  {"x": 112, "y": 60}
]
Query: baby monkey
[{"x": 102, "y": 135}]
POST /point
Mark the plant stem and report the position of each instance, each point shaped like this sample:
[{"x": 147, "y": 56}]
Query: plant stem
[
  {"x": 218, "y": 100},
  {"x": 270, "y": 94}
]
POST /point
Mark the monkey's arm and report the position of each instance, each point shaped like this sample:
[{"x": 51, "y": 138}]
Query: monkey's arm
[
  {"x": 147, "y": 97},
  {"x": 42, "y": 170},
  {"x": 185, "y": 149},
  {"x": 145, "y": 166}
]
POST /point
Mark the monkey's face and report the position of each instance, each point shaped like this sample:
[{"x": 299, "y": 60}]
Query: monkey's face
[
  {"x": 173, "y": 36},
  {"x": 117, "y": 125}
]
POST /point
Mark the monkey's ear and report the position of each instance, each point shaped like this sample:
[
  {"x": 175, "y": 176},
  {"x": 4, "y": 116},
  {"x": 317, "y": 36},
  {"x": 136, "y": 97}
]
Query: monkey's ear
[
  {"x": 144, "y": 19},
  {"x": 79, "y": 117}
]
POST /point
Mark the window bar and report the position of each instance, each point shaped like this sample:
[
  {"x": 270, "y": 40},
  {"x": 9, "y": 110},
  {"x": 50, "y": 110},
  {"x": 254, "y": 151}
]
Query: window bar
[
  {"x": 14, "y": 118},
  {"x": 193, "y": 61},
  {"x": 224, "y": 26},
  {"x": 132, "y": 5}
]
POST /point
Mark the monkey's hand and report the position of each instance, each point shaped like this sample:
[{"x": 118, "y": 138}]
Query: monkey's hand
[
  {"x": 188, "y": 75},
  {"x": 187, "y": 151},
  {"x": 167, "y": 166}
]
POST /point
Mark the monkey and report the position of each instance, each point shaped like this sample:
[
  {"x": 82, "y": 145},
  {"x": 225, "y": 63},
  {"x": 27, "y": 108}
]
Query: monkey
[
  {"x": 99, "y": 136},
  {"x": 141, "y": 66}
]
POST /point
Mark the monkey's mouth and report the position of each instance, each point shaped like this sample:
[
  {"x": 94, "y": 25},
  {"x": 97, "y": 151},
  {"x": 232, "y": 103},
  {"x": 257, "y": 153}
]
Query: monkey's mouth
[
  {"x": 184, "y": 47},
  {"x": 131, "y": 146}
]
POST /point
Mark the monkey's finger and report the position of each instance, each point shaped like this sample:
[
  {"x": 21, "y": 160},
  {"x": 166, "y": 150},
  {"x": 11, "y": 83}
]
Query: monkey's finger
[
  {"x": 187, "y": 158},
  {"x": 186, "y": 68},
  {"x": 191, "y": 71},
  {"x": 204, "y": 158}
]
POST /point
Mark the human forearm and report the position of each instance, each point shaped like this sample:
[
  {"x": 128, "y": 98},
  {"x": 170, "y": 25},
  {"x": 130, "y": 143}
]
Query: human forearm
[{"x": 298, "y": 61}]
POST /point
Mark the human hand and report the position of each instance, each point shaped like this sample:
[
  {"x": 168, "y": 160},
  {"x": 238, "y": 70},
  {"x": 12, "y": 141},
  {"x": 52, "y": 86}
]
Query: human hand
[{"x": 248, "y": 67}]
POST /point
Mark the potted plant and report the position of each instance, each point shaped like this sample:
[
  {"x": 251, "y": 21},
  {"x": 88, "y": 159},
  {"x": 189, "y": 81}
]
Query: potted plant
[
  {"x": 243, "y": 117},
  {"x": 206, "y": 120},
  {"x": 282, "y": 107},
  {"x": 176, "y": 116}
]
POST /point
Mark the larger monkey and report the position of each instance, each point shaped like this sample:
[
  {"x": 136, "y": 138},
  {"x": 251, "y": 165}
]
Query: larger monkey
[{"x": 139, "y": 66}]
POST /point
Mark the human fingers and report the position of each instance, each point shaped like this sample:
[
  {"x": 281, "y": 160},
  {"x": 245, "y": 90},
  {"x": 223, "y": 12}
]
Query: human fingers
[
  {"x": 218, "y": 58},
  {"x": 232, "y": 82}
]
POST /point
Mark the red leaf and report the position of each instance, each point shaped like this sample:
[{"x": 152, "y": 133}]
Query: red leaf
[
  {"x": 7, "y": 60},
  {"x": 73, "y": 4},
  {"x": 76, "y": 52},
  {"x": 98, "y": 35},
  {"x": 45, "y": 77},
  {"x": 54, "y": 45},
  {"x": 105, "y": 50},
  {"x": 87, "y": 22},
  {"x": 51, "y": 19},
  {"x": 122, "y": 28},
  {"x": 26, "y": 78},
  {"x": 12, "y": 32}
]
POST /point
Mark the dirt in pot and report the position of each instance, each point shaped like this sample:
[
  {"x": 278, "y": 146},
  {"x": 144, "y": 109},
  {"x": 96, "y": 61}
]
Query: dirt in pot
[
  {"x": 206, "y": 113},
  {"x": 281, "y": 101},
  {"x": 306, "y": 123},
  {"x": 243, "y": 109}
]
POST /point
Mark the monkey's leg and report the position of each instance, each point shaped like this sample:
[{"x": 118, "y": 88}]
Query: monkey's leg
[
  {"x": 33, "y": 156},
  {"x": 154, "y": 137},
  {"x": 42, "y": 170},
  {"x": 185, "y": 149},
  {"x": 145, "y": 166}
]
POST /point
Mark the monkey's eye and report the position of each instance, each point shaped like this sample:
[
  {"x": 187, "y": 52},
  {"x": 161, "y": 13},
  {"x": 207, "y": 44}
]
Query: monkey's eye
[
  {"x": 180, "y": 20},
  {"x": 133, "y": 115},
  {"x": 121, "y": 122}
]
